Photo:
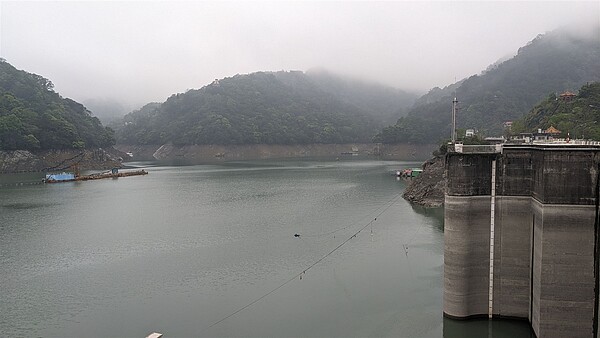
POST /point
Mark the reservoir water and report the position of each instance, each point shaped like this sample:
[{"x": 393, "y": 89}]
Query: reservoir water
[{"x": 210, "y": 250}]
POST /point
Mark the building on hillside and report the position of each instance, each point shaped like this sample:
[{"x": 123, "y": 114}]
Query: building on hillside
[
  {"x": 552, "y": 131},
  {"x": 470, "y": 133},
  {"x": 546, "y": 135},
  {"x": 540, "y": 136},
  {"x": 567, "y": 96}
]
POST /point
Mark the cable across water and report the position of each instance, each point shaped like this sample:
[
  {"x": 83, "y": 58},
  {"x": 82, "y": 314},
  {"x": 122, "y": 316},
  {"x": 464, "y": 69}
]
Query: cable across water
[{"x": 299, "y": 274}]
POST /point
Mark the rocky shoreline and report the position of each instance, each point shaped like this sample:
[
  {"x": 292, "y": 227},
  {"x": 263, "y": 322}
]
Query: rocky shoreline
[
  {"x": 429, "y": 188},
  {"x": 17, "y": 161}
]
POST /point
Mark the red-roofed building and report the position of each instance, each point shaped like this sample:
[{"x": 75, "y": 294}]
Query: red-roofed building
[
  {"x": 567, "y": 96},
  {"x": 552, "y": 131}
]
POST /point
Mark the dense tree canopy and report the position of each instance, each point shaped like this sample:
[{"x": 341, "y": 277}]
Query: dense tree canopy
[
  {"x": 33, "y": 116},
  {"x": 554, "y": 62},
  {"x": 578, "y": 117},
  {"x": 258, "y": 108}
]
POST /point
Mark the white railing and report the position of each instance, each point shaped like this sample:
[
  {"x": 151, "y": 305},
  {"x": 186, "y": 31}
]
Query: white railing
[
  {"x": 497, "y": 148},
  {"x": 475, "y": 148}
]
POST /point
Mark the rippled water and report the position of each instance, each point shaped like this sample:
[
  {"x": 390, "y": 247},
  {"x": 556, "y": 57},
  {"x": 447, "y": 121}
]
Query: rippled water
[{"x": 182, "y": 248}]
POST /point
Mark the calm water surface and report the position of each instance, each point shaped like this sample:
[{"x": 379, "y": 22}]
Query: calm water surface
[{"x": 182, "y": 248}]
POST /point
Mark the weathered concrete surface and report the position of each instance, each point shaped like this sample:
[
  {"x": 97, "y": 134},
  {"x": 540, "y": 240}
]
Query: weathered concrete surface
[
  {"x": 564, "y": 176},
  {"x": 512, "y": 249},
  {"x": 220, "y": 153},
  {"x": 563, "y": 265},
  {"x": 469, "y": 175},
  {"x": 544, "y": 240},
  {"x": 466, "y": 255},
  {"x": 515, "y": 173}
]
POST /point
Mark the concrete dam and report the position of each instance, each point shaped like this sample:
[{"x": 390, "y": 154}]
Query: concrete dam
[{"x": 522, "y": 236}]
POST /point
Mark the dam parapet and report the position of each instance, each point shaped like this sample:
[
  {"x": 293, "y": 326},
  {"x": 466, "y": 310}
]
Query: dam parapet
[{"x": 521, "y": 236}]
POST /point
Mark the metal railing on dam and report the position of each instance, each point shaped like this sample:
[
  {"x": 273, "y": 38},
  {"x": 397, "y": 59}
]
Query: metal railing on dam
[
  {"x": 522, "y": 236},
  {"x": 497, "y": 148}
]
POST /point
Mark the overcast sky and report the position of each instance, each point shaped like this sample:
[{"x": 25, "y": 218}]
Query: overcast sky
[{"x": 141, "y": 51}]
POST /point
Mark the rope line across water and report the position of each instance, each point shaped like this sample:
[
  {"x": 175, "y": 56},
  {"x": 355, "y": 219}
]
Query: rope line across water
[{"x": 389, "y": 205}]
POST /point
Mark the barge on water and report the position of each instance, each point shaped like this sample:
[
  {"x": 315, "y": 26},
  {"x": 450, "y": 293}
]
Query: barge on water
[{"x": 71, "y": 177}]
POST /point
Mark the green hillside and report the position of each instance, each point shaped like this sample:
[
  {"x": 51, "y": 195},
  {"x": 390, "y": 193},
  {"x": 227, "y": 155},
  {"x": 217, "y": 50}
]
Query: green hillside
[
  {"x": 578, "y": 117},
  {"x": 33, "y": 116},
  {"x": 379, "y": 101},
  {"x": 553, "y": 62},
  {"x": 261, "y": 108}
]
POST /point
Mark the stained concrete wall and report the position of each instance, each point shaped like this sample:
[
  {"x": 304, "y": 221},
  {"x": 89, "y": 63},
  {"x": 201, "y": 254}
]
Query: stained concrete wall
[
  {"x": 564, "y": 176},
  {"x": 466, "y": 255},
  {"x": 512, "y": 250},
  {"x": 563, "y": 265},
  {"x": 544, "y": 237},
  {"x": 469, "y": 175}
]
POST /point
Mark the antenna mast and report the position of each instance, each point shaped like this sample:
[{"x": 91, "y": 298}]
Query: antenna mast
[{"x": 454, "y": 102}]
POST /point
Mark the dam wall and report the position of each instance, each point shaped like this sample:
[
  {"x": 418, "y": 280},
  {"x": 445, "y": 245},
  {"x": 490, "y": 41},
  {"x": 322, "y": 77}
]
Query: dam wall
[{"x": 521, "y": 237}]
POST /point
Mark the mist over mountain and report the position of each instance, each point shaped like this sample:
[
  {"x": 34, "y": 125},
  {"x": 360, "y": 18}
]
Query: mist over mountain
[
  {"x": 34, "y": 116},
  {"x": 551, "y": 63},
  {"x": 377, "y": 100},
  {"x": 269, "y": 108},
  {"x": 107, "y": 109}
]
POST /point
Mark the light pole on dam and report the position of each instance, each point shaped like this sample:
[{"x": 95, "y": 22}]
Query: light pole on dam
[{"x": 522, "y": 236}]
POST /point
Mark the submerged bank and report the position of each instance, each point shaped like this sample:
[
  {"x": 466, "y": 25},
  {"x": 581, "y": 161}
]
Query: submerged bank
[
  {"x": 15, "y": 161},
  {"x": 222, "y": 153}
]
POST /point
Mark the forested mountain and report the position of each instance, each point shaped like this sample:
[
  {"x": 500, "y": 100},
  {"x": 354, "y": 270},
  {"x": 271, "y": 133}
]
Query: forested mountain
[
  {"x": 436, "y": 94},
  {"x": 33, "y": 116},
  {"x": 266, "y": 108},
  {"x": 578, "y": 117},
  {"x": 381, "y": 102},
  {"x": 551, "y": 63}
]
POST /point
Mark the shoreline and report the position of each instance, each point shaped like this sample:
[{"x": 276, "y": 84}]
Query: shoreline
[
  {"x": 23, "y": 161},
  {"x": 224, "y": 153}
]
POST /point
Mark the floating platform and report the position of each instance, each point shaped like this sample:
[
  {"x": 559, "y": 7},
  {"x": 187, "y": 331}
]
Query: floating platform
[{"x": 70, "y": 177}]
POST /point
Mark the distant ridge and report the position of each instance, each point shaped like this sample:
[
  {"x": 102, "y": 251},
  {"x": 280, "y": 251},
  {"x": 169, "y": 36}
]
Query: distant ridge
[
  {"x": 551, "y": 63},
  {"x": 282, "y": 107}
]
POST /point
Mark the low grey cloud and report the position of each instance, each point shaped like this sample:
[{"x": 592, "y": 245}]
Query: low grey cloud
[{"x": 137, "y": 52}]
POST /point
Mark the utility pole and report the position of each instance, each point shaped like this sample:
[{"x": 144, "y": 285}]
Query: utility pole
[{"x": 454, "y": 102}]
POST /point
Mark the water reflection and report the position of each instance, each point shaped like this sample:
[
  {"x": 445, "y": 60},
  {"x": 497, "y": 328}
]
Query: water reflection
[
  {"x": 478, "y": 328},
  {"x": 182, "y": 247}
]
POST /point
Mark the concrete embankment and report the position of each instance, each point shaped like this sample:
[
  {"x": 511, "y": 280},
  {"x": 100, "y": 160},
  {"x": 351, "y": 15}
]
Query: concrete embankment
[
  {"x": 15, "y": 161},
  {"x": 221, "y": 153},
  {"x": 521, "y": 237}
]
